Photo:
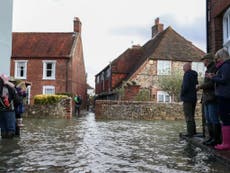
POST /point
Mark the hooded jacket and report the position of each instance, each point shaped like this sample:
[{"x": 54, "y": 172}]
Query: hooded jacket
[
  {"x": 222, "y": 80},
  {"x": 188, "y": 88},
  {"x": 208, "y": 95}
]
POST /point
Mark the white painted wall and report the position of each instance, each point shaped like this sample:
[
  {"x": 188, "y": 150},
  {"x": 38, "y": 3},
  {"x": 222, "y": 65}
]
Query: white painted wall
[{"x": 6, "y": 10}]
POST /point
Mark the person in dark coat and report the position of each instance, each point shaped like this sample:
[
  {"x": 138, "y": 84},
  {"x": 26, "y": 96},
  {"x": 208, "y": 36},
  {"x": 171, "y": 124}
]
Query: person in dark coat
[
  {"x": 8, "y": 98},
  {"x": 78, "y": 102},
  {"x": 222, "y": 91},
  {"x": 189, "y": 97},
  {"x": 209, "y": 102}
]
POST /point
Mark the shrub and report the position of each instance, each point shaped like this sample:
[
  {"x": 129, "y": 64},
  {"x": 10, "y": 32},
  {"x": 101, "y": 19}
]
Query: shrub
[
  {"x": 48, "y": 99},
  {"x": 143, "y": 95}
]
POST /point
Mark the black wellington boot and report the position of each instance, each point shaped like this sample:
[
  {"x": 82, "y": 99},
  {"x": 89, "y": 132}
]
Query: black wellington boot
[
  {"x": 211, "y": 134},
  {"x": 217, "y": 134}
]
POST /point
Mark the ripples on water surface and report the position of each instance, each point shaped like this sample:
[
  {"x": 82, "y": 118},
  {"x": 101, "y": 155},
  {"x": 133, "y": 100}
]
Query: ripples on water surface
[{"x": 85, "y": 145}]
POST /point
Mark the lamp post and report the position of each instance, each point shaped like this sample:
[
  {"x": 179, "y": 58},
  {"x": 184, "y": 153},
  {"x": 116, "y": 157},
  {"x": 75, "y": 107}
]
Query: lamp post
[{"x": 6, "y": 15}]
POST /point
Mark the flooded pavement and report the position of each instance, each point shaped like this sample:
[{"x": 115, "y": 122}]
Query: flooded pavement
[{"x": 85, "y": 145}]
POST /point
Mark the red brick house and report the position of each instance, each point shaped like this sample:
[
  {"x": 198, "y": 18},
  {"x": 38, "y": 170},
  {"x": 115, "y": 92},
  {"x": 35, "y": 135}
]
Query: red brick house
[
  {"x": 140, "y": 66},
  {"x": 218, "y": 24},
  {"x": 52, "y": 62}
]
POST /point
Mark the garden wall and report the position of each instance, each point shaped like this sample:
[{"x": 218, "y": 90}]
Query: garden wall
[
  {"x": 137, "y": 110},
  {"x": 62, "y": 109}
]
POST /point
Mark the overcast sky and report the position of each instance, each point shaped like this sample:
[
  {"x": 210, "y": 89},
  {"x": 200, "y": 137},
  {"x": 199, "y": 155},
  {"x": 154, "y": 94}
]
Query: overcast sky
[{"x": 109, "y": 27}]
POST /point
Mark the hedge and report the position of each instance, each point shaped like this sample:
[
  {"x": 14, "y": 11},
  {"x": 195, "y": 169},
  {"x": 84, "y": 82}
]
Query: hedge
[{"x": 48, "y": 99}]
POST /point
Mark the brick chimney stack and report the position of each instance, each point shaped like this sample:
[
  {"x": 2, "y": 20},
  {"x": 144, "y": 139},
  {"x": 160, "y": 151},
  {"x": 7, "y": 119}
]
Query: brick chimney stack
[
  {"x": 157, "y": 28},
  {"x": 77, "y": 25}
]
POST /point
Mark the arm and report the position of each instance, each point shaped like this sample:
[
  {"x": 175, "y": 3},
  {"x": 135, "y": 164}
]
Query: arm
[
  {"x": 224, "y": 75},
  {"x": 207, "y": 85},
  {"x": 185, "y": 84}
]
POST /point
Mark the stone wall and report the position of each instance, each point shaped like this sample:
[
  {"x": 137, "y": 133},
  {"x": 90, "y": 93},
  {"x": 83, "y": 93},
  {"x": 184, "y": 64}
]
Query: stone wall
[
  {"x": 62, "y": 109},
  {"x": 135, "y": 110}
]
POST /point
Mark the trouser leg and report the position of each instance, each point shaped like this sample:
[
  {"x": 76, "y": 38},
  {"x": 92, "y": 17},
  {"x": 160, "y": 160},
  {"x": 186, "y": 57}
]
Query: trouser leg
[{"x": 189, "y": 112}]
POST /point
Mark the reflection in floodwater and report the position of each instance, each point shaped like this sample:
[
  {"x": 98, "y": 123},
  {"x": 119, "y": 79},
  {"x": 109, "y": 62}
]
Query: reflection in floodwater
[{"x": 85, "y": 145}]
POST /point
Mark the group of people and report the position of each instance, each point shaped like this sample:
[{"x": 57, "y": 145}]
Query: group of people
[
  {"x": 215, "y": 98},
  {"x": 11, "y": 107}
]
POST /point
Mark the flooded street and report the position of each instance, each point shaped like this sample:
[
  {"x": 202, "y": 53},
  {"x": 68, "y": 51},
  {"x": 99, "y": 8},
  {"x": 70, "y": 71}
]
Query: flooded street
[{"x": 86, "y": 145}]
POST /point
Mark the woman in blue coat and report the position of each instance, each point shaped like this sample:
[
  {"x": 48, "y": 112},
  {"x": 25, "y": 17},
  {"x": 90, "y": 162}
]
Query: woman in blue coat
[{"x": 222, "y": 91}]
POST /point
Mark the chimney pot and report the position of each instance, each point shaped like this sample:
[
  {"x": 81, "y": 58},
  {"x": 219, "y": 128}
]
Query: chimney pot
[
  {"x": 77, "y": 25},
  {"x": 157, "y": 28}
]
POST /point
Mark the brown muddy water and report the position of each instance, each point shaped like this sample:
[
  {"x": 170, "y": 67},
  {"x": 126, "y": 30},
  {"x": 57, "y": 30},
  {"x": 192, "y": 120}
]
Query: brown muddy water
[{"x": 84, "y": 145}]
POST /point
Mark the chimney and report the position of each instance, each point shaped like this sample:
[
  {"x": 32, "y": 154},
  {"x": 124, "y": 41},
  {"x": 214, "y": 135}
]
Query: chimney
[
  {"x": 157, "y": 28},
  {"x": 77, "y": 25}
]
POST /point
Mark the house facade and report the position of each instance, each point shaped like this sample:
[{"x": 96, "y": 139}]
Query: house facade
[
  {"x": 166, "y": 52},
  {"x": 52, "y": 62},
  {"x": 218, "y": 24}
]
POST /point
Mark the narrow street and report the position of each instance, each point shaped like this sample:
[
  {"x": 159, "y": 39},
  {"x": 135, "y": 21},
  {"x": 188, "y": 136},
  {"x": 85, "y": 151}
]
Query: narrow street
[{"x": 86, "y": 145}]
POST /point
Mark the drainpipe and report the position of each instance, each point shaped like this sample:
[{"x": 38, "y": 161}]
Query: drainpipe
[{"x": 208, "y": 13}]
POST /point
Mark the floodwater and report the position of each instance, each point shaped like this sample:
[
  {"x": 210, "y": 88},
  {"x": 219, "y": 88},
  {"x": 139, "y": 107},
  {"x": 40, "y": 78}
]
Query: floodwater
[{"x": 84, "y": 145}]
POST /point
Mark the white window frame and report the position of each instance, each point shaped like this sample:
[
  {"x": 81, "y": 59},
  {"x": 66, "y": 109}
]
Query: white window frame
[
  {"x": 28, "y": 91},
  {"x": 226, "y": 29},
  {"x": 199, "y": 68},
  {"x": 164, "y": 67},
  {"x": 16, "y": 75},
  {"x": 164, "y": 95},
  {"x": 53, "y": 77},
  {"x": 45, "y": 87}
]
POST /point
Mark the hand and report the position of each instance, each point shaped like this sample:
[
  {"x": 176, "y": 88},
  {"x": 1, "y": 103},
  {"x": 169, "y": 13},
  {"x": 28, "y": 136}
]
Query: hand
[{"x": 209, "y": 75}]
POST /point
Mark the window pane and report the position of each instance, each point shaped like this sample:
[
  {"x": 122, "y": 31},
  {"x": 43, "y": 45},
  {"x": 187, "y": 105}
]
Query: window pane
[
  {"x": 163, "y": 67},
  {"x": 160, "y": 98},
  {"x": 49, "y": 71},
  {"x": 167, "y": 98},
  {"x": 49, "y": 66},
  {"x": 20, "y": 69},
  {"x": 49, "y": 90}
]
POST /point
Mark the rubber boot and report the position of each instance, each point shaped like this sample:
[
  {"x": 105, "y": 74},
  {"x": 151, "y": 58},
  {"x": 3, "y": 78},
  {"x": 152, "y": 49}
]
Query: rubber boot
[
  {"x": 226, "y": 139},
  {"x": 210, "y": 133},
  {"x": 17, "y": 131},
  {"x": 10, "y": 134},
  {"x": 217, "y": 134}
]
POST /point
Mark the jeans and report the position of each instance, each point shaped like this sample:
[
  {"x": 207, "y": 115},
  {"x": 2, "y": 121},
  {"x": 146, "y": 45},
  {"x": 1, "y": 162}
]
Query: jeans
[
  {"x": 7, "y": 121},
  {"x": 224, "y": 110},
  {"x": 211, "y": 113}
]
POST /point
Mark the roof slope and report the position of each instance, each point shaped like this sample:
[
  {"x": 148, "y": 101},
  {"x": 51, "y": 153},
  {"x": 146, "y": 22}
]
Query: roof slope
[
  {"x": 168, "y": 45},
  {"x": 127, "y": 60},
  {"x": 35, "y": 44}
]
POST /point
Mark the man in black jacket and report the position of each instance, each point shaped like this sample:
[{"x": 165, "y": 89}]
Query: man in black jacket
[
  {"x": 209, "y": 102},
  {"x": 189, "y": 97}
]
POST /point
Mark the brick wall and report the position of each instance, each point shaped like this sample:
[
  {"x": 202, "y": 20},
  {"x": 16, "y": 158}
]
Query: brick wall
[
  {"x": 134, "y": 110},
  {"x": 77, "y": 81},
  {"x": 214, "y": 28},
  {"x": 63, "y": 109},
  {"x": 147, "y": 76},
  {"x": 131, "y": 92},
  {"x": 35, "y": 75}
]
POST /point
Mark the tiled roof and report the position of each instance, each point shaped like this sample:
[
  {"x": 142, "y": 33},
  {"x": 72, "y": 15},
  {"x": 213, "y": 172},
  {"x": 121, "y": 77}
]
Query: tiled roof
[
  {"x": 168, "y": 45},
  {"x": 33, "y": 44},
  {"x": 127, "y": 60}
]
